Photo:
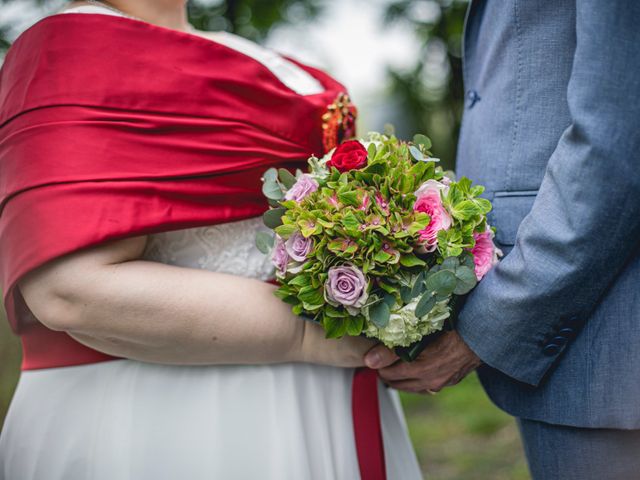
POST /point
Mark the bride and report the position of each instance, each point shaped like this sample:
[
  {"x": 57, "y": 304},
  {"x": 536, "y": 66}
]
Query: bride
[{"x": 131, "y": 149}]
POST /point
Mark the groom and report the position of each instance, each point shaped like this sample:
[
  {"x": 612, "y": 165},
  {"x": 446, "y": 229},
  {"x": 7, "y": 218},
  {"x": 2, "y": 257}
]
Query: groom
[{"x": 552, "y": 128}]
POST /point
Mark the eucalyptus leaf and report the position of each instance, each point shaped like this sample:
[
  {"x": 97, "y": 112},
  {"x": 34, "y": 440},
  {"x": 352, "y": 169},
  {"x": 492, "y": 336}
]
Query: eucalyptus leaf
[
  {"x": 450, "y": 263},
  {"x": 416, "y": 153},
  {"x": 467, "y": 260},
  {"x": 264, "y": 242},
  {"x": 273, "y": 218},
  {"x": 466, "y": 278},
  {"x": 442, "y": 282},
  {"x": 406, "y": 294},
  {"x": 423, "y": 140},
  {"x": 389, "y": 299},
  {"x": 287, "y": 178},
  {"x": 425, "y": 305},
  {"x": 270, "y": 175},
  {"x": 272, "y": 190},
  {"x": 380, "y": 314},
  {"x": 418, "y": 285}
]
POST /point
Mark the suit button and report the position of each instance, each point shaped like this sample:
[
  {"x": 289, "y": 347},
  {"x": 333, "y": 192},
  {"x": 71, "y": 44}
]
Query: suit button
[
  {"x": 573, "y": 322},
  {"x": 551, "y": 349},
  {"x": 566, "y": 332},
  {"x": 559, "y": 340},
  {"x": 472, "y": 98}
]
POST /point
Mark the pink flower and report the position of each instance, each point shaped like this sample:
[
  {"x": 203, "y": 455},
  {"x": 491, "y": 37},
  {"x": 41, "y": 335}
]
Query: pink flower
[
  {"x": 298, "y": 247},
  {"x": 429, "y": 201},
  {"x": 346, "y": 285},
  {"x": 305, "y": 185},
  {"x": 279, "y": 256},
  {"x": 485, "y": 253},
  {"x": 382, "y": 203}
]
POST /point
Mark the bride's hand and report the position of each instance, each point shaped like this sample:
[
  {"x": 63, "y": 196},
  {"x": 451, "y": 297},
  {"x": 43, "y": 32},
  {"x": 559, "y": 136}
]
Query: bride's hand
[{"x": 345, "y": 352}]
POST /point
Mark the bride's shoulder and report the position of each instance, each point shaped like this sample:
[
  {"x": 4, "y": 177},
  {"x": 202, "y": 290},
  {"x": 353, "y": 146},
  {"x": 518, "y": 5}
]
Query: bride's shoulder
[{"x": 85, "y": 7}]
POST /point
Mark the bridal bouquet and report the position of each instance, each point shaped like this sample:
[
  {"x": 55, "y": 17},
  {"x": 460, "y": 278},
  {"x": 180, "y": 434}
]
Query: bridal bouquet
[{"x": 375, "y": 239}]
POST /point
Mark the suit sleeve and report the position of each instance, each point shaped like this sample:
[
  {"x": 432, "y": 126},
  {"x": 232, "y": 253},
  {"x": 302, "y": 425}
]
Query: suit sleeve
[{"x": 585, "y": 222}]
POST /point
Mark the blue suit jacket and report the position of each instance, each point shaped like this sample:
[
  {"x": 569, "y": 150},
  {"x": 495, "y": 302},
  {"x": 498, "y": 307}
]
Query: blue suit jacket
[{"x": 552, "y": 129}]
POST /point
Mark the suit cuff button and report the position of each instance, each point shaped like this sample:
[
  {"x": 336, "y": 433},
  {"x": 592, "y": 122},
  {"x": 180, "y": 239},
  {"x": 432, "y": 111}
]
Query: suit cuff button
[
  {"x": 566, "y": 332},
  {"x": 551, "y": 349}
]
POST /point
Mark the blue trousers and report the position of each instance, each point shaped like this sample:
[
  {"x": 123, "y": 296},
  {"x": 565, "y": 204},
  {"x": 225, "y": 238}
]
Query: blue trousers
[{"x": 557, "y": 452}]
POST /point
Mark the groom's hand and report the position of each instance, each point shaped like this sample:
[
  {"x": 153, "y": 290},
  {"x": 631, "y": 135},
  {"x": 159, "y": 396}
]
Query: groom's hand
[{"x": 445, "y": 362}]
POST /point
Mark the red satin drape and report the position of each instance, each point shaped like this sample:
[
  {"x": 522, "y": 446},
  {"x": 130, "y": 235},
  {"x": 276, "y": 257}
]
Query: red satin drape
[{"x": 112, "y": 128}]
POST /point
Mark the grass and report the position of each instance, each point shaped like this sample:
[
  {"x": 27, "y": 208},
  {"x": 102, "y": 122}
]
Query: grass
[{"x": 458, "y": 434}]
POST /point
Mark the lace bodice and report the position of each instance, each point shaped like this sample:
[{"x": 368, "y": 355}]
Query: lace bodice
[{"x": 228, "y": 248}]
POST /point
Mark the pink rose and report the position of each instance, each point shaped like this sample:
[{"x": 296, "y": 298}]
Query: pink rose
[
  {"x": 429, "y": 201},
  {"x": 485, "y": 253},
  {"x": 279, "y": 256},
  {"x": 346, "y": 285},
  {"x": 298, "y": 247},
  {"x": 305, "y": 185}
]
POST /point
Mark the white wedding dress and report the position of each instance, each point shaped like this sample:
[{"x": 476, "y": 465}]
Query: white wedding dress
[{"x": 128, "y": 420}]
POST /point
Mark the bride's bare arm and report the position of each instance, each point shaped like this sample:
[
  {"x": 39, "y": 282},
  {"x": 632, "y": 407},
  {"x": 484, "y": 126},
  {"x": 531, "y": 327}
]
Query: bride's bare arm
[{"x": 110, "y": 300}]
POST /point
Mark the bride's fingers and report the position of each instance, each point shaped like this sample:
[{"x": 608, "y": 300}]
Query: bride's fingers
[{"x": 380, "y": 357}]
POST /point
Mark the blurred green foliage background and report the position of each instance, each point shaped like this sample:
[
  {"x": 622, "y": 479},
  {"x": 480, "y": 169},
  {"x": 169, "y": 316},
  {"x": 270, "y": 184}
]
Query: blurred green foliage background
[{"x": 458, "y": 434}]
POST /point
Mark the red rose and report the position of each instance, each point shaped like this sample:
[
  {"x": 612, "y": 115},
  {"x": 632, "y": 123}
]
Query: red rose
[{"x": 348, "y": 156}]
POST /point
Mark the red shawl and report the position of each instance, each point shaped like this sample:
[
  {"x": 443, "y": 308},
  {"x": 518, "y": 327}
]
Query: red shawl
[{"x": 112, "y": 128}]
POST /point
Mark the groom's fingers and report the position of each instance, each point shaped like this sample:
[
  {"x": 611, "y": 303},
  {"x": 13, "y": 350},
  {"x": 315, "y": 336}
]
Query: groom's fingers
[
  {"x": 411, "y": 386},
  {"x": 416, "y": 386},
  {"x": 380, "y": 357},
  {"x": 402, "y": 371}
]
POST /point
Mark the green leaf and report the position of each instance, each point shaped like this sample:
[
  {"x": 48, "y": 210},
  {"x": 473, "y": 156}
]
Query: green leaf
[
  {"x": 273, "y": 218},
  {"x": 272, "y": 190},
  {"x": 264, "y": 242},
  {"x": 411, "y": 260},
  {"x": 350, "y": 222},
  {"x": 425, "y": 305},
  {"x": 380, "y": 314},
  {"x": 477, "y": 190},
  {"x": 349, "y": 198},
  {"x": 379, "y": 168},
  {"x": 466, "y": 278},
  {"x": 287, "y": 178},
  {"x": 465, "y": 210},
  {"x": 311, "y": 295},
  {"x": 382, "y": 256},
  {"x": 423, "y": 140},
  {"x": 300, "y": 281},
  {"x": 371, "y": 150},
  {"x": 286, "y": 230},
  {"x": 355, "y": 325},
  {"x": 484, "y": 204},
  {"x": 442, "y": 282},
  {"x": 334, "y": 327}
]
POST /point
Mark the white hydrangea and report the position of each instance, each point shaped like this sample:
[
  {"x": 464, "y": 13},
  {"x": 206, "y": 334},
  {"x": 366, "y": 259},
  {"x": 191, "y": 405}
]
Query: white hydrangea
[{"x": 404, "y": 328}]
